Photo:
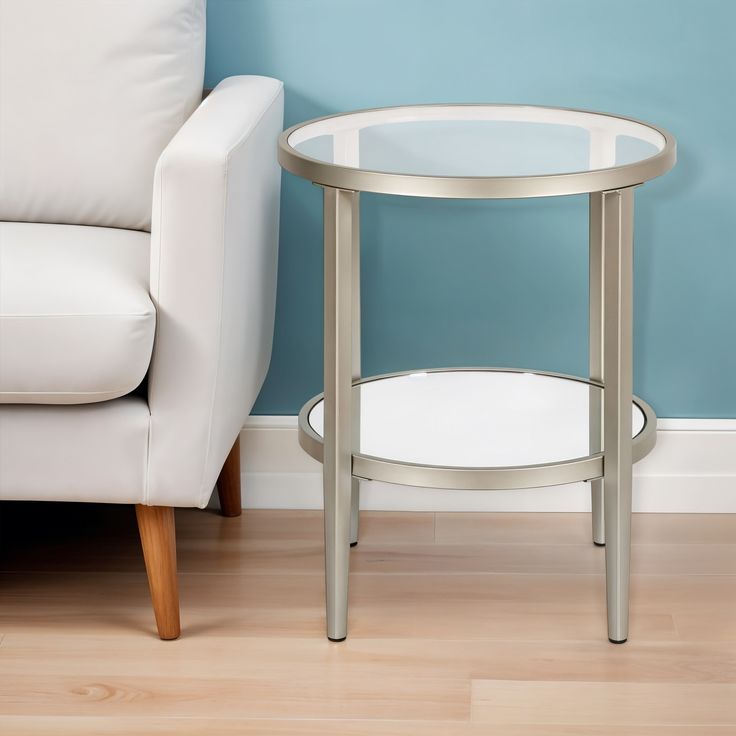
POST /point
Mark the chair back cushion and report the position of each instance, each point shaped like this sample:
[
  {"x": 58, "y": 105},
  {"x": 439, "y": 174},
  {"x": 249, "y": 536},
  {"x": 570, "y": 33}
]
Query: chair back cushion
[{"x": 91, "y": 91}]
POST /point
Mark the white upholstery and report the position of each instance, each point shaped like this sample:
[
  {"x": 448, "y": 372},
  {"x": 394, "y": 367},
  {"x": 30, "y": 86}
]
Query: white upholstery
[
  {"x": 97, "y": 132},
  {"x": 213, "y": 283},
  {"x": 214, "y": 248},
  {"x": 91, "y": 91},
  {"x": 76, "y": 319},
  {"x": 91, "y": 452}
]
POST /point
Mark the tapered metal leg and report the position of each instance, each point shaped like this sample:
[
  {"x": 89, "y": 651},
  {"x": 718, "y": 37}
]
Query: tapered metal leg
[
  {"x": 595, "y": 352},
  {"x": 617, "y": 210},
  {"x": 340, "y": 227}
]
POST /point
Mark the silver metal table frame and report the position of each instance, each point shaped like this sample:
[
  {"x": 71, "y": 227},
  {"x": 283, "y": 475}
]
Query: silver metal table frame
[{"x": 609, "y": 470}]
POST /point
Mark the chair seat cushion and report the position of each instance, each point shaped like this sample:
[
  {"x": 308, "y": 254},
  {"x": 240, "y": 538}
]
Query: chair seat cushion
[{"x": 76, "y": 319}]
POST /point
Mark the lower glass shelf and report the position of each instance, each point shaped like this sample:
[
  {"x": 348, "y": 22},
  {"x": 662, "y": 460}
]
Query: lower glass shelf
[{"x": 476, "y": 428}]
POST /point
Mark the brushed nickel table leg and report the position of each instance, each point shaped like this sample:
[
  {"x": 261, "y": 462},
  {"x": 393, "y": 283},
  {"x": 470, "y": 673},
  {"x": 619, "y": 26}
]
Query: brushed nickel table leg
[
  {"x": 340, "y": 219},
  {"x": 618, "y": 211},
  {"x": 595, "y": 352},
  {"x": 355, "y": 493}
]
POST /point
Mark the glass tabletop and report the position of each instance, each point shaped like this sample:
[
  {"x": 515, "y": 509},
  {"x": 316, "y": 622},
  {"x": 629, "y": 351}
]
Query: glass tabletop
[
  {"x": 474, "y": 418},
  {"x": 477, "y": 141}
]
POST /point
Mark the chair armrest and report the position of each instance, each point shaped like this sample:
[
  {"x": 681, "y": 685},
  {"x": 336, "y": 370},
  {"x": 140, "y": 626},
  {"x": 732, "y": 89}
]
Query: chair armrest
[{"x": 214, "y": 246}]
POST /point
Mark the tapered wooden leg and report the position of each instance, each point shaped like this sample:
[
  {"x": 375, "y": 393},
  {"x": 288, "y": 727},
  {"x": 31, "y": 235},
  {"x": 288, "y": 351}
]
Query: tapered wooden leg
[
  {"x": 158, "y": 539},
  {"x": 228, "y": 484}
]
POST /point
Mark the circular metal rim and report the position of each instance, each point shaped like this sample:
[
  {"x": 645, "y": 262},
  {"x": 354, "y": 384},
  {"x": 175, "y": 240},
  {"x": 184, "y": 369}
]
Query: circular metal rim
[
  {"x": 369, "y": 467},
  {"x": 492, "y": 187}
]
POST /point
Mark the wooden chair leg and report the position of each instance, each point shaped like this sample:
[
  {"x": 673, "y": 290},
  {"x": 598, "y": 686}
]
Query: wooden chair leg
[
  {"x": 158, "y": 539},
  {"x": 228, "y": 484}
]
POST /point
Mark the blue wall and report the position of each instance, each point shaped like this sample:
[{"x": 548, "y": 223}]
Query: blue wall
[{"x": 505, "y": 283}]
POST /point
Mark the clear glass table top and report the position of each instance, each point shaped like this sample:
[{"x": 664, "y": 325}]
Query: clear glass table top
[
  {"x": 474, "y": 418},
  {"x": 477, "y": 141}
]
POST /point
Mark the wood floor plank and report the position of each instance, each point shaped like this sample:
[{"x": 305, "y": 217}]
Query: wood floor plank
[
  {"x": 261, "y": 542},
  {"x": 381, "y": 606},
  {"x": 501, "y": 702},
  {"x": 304, "y": 525},
  {"x": 214, "y": 657},
  {"x": 683, "y": 528},
  {"x": 718, "y": 624},
  {"x": 646, "y": 559},
  {"x": 512, "y": 528},
  {"x": 595, "y": 661},
  {"x": 329, "y": 695},
  {"x": 101, "y": 726},
  {"x": 258, "y": 541},
  {"x": 476, "y": 622},
  {"x": 563, "y": 528},
  {"x": 543, "y": 593},
  {"x": 683, "y": 559},
  {"x": 276, "y": 558},
  {"x": 249, "y": 556}
]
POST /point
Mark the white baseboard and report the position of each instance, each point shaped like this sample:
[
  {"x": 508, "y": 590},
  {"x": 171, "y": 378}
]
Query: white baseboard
[{"x": 692, "y": 469}]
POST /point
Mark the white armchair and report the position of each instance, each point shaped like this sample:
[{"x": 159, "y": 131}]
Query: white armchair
[{"x": 138, "y": 251}]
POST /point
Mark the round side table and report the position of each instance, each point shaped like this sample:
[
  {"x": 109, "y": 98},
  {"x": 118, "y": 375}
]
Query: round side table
[{"x": 479, "y": 428}]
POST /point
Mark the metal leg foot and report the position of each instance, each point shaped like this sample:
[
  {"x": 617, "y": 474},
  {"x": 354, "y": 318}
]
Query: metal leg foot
[{"x": 337, "y": 562}]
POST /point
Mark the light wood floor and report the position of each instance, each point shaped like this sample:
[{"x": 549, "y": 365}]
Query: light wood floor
[{"x": 459, "y": 624}]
